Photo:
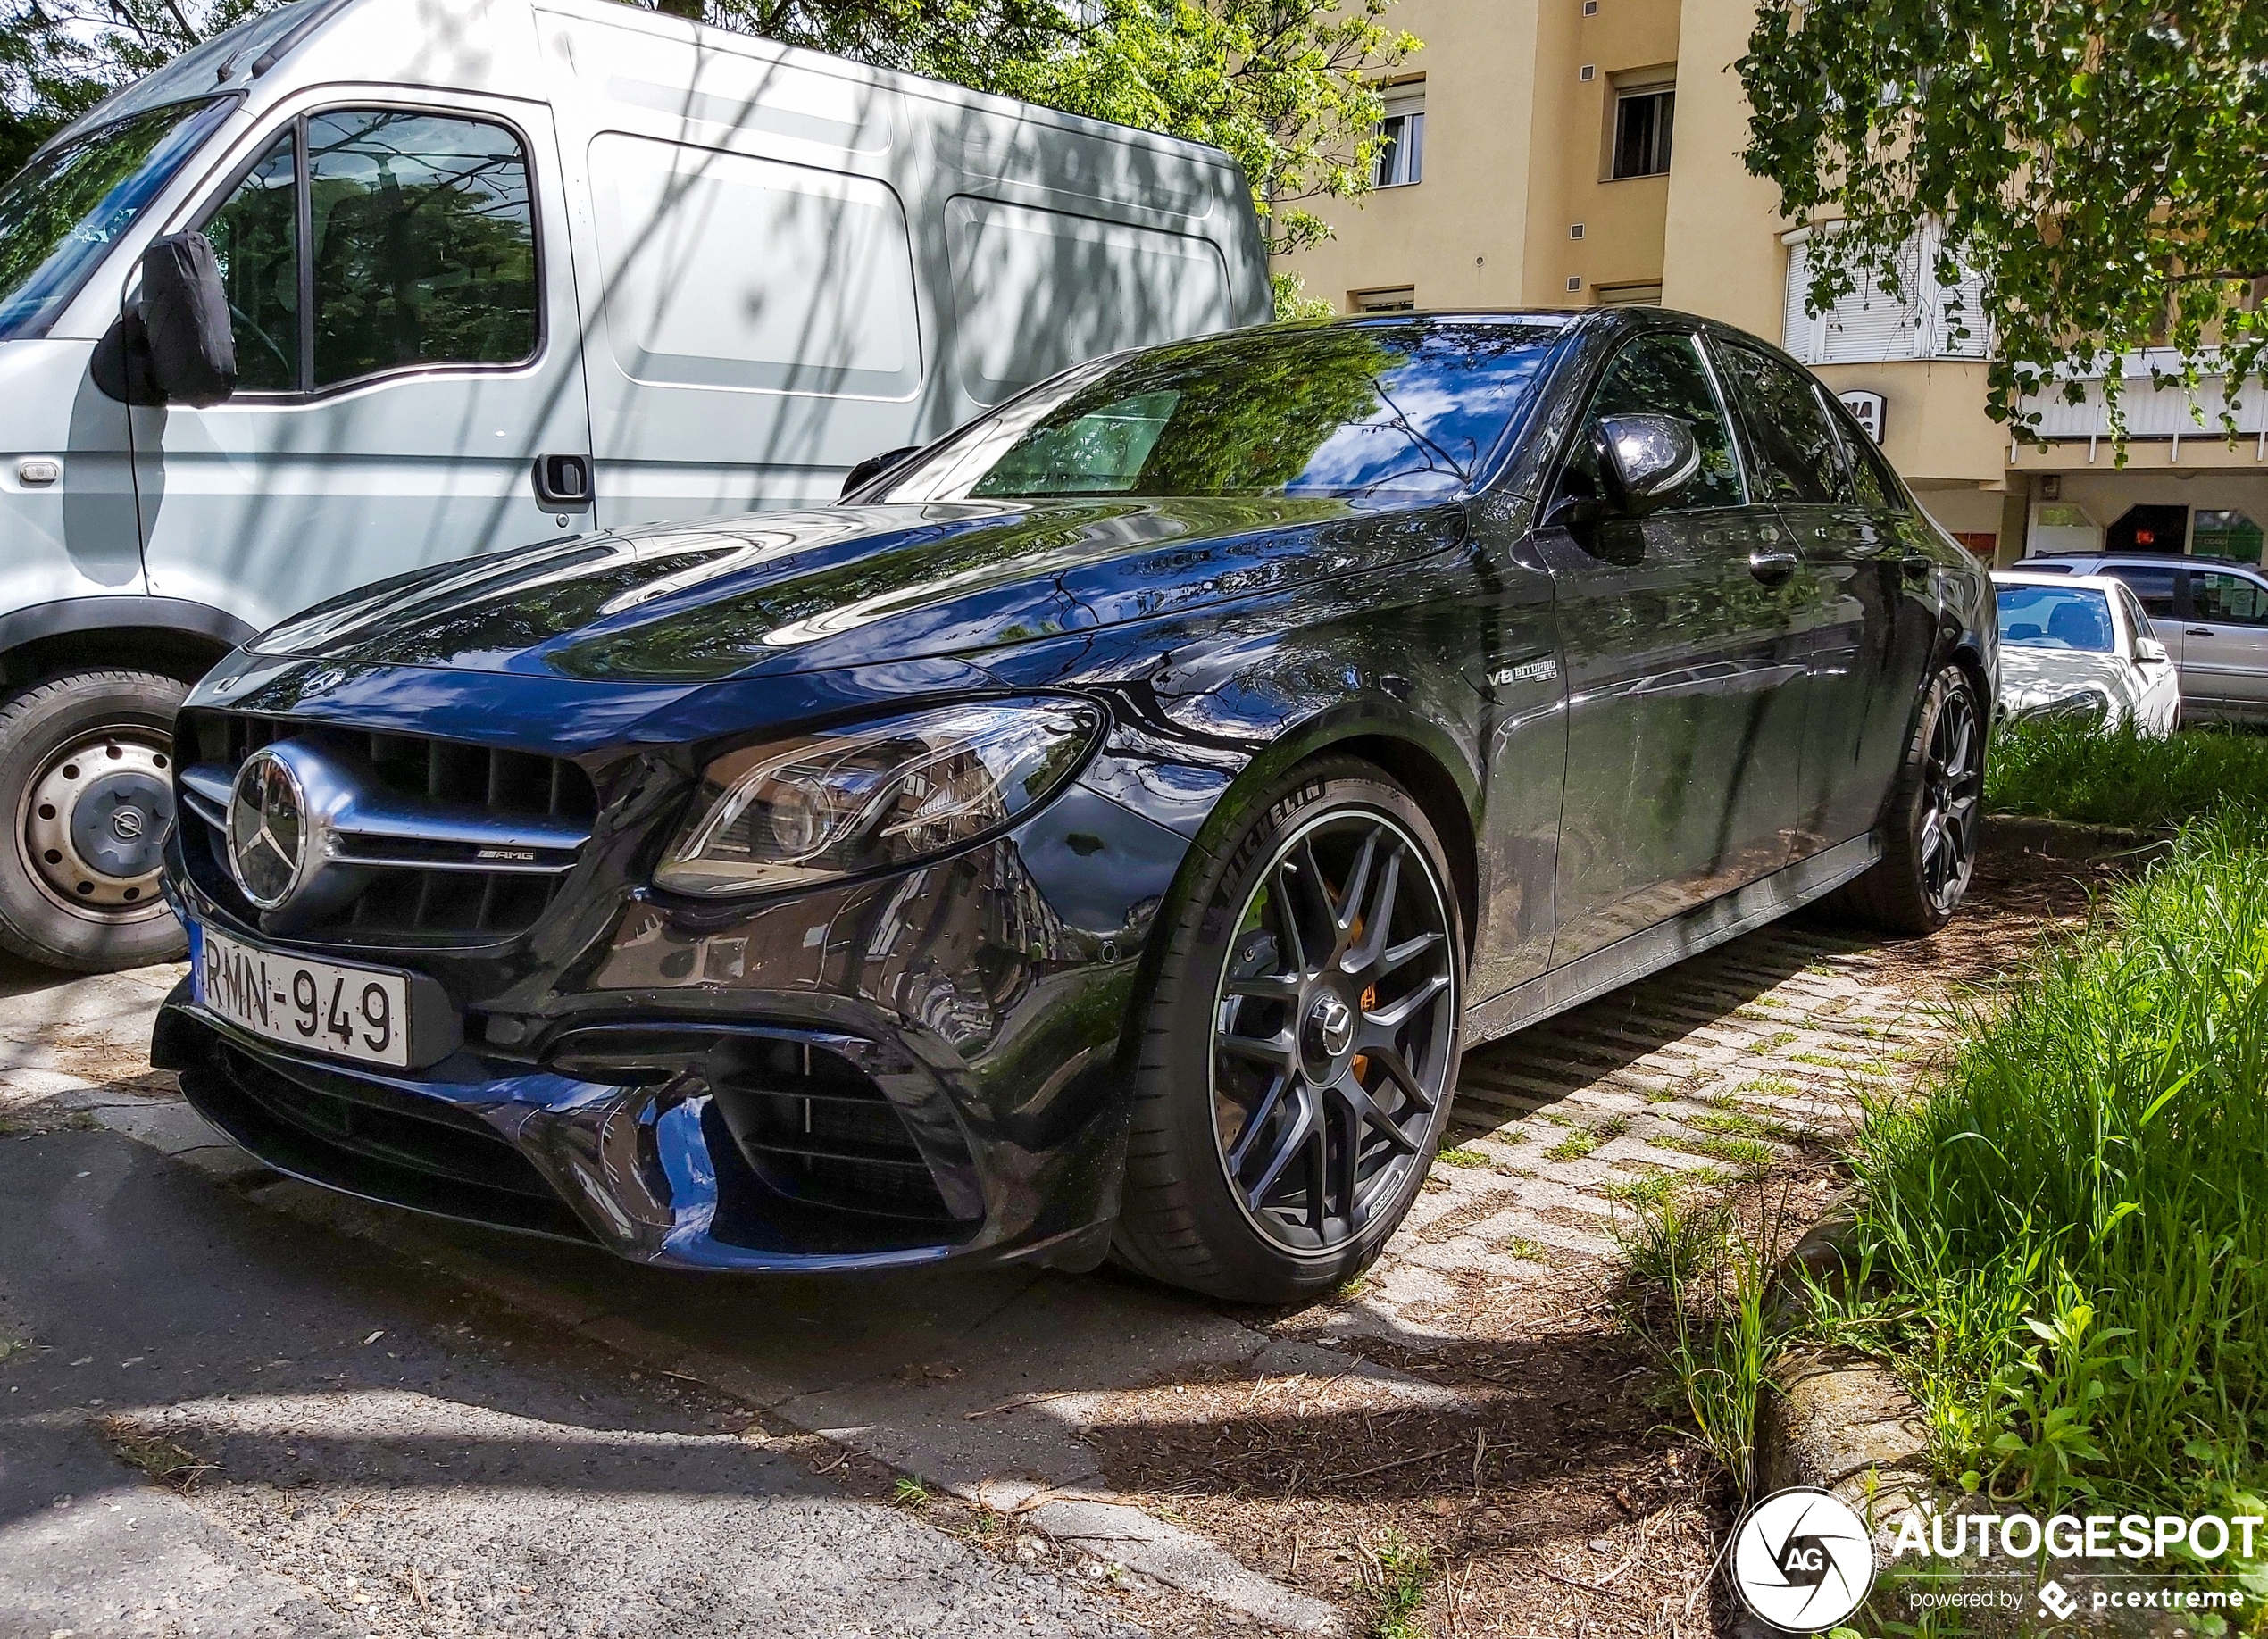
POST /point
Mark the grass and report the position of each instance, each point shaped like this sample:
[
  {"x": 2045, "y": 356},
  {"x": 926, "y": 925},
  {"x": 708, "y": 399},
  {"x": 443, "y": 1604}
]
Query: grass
[
  {"x": 2064, "y": 1247},
  {"x": 1462, "y": 1156},
  {"x": 1402, "y": 1567},
  {"x": 910, "y": 1493},
  {"x": 1577, "y": 1145},
  {"x": 1750, "y": 1157},
  {"x": 2116, "y": 777},
  {"x": 1647, "y": 1187},
  {"x": 1696, "y": 1288}
]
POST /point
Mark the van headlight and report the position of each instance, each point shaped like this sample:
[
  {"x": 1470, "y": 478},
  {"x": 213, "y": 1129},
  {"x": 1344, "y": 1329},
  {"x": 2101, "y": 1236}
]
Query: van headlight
[{"x": 873, "y": 796}]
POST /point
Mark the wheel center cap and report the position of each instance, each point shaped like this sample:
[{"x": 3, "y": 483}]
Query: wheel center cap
[{"x": 1330, "y": 1030}]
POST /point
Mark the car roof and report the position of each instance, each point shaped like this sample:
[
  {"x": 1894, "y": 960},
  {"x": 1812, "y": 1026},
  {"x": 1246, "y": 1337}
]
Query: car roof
[{"x": 2036, "y": 578}]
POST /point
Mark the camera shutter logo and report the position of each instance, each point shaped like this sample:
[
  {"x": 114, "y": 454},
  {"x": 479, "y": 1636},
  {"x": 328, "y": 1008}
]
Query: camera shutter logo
[{"x": 1802, "y": 1560}]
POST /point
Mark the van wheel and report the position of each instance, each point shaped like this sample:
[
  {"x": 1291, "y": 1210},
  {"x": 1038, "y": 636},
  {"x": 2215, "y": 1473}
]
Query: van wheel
[
  {"x": 1300, "y": 1046},
  {"x": 1930, "y": 834},
  {"x": 86, "y": 777}
]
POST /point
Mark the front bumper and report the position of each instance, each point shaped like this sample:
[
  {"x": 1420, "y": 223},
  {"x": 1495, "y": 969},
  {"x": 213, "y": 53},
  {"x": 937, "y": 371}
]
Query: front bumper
[{"x": 876, "y": 1075}]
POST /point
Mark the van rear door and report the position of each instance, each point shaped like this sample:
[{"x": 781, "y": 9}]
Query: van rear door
[{"x": 410, "y": 382}]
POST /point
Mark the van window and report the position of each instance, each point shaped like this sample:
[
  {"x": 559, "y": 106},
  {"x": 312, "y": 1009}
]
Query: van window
[
  {"x": 255, "y": 237},
  {"x": 424, "y": 243},
  {"x": 62, "y": 212},
  {"x": 727, "y": 271},
  {"x": 1036, "y": 292}
]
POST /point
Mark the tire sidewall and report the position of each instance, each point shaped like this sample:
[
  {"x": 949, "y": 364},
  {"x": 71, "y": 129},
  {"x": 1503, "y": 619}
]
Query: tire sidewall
[
  {"x": 43, "y": 718},
  {"x": 1254, "y": 1265},
  {"x": 1949, "y": 679}
]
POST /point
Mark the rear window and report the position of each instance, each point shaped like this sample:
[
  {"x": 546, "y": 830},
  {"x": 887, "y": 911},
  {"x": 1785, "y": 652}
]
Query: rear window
[
  {"x": 2075, "y": 617},
  {"x": 1397, "y": 409}
]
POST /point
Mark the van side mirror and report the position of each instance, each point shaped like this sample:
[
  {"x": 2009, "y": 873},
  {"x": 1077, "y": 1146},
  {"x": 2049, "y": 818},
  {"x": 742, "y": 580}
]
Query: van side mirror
[
  {"x": 873, "y": 467},
  {"x": 1646, "y": 459},
  {"x": 192, "y": 350}
]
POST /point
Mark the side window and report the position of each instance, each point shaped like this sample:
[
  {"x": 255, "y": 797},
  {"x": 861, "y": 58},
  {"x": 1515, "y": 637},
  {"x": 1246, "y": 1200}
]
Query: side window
[
  {"x": 424, "y": 243},
  {"x": 255, "y": 237},
  {"x": 2152, "y": 586},
  {"x": 421, "y": 236},
  {"x": 1870, "y": 475},
  {"x": 1795, "y": 445},
  {"x": 2137, "y": 619},
  {"x": 2230, "y": 599},
  {"x": 1663, "y": 375}
]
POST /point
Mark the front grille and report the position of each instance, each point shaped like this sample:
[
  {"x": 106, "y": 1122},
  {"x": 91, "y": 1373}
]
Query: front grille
[
  {"x": 411, "y": 903},
  {"x": 815, "y": 1128},
  {"x": 519, "y": 784}
]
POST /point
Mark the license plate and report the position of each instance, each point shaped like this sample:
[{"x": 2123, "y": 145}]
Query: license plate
[{"x": 359, "y": 1013}]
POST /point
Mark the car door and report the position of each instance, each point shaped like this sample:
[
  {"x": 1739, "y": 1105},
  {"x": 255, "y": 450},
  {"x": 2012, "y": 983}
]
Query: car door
[
  {"x": 2156, "y": 683},
  {"x": 2158, "y": 589},
  {"x": 1683, "y": 672},
  {"x": 394, "y": 272},
  {"x": 2224, "y": 646},
  {"x": 1869, "y": 621}
]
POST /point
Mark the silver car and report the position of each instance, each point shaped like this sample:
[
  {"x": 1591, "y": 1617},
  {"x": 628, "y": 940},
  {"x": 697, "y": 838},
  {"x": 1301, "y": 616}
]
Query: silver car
[{"x": 2211, "y": 613}]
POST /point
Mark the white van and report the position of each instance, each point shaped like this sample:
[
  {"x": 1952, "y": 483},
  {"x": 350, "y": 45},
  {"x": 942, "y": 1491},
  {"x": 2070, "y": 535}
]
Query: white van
[{"x": 495, "y": 271}]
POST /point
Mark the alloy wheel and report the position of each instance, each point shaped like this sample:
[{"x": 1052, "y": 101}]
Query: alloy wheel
[
  {"x": 1334, "y": 1030},
  {"x": 1952, "y": 793}
]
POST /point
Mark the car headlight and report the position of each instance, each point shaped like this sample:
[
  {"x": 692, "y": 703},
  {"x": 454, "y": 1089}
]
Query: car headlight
[{"x": 873, "y": 796}]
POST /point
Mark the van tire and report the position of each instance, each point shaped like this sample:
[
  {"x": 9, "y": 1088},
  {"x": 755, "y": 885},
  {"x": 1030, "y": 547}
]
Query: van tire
[{"x": 124, "y": 719}]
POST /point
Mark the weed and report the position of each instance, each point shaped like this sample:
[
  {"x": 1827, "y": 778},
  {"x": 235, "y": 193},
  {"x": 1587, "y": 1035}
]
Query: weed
[
  {"x": 162, "y": 1459},
  {"x": 1573, "y": 1147},
  {"x": 1613, "y": 1127},
  {"x": 1649, "y": 1186},
  {"x": 1462, "y": 1157},
  {"x": 1348, "y": 1291},
  {"x": 1660, "y": 1095},
  {"x": 1402, "y": 1566},
  {"x": 1510, "y": 1135},
  {"x": 910, "y": 1493},
  {"x": 1779, "y": 1087},
  {"x": 1738, "y": 1123},
  {"x": 1775, "y": 1041},
  {"x": 1520, "y": 1246},
  {"x": 1749, "y": 1157}
]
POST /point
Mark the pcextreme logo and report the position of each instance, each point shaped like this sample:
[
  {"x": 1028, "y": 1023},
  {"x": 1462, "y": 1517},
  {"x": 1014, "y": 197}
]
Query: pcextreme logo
[{"x": 1802, "y": 1560}]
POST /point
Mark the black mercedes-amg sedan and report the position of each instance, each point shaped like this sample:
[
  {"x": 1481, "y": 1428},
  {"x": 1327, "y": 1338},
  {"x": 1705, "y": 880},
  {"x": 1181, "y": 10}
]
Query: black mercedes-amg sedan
[{"x": 1104, "y": 830}]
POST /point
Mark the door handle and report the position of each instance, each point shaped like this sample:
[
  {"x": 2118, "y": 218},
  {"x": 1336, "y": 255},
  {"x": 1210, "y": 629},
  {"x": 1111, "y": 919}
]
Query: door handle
[
  {"x": 563, "y": 482},
  {"x": 2200, "y": 631},
  {"x": 1774, "y": 569}
]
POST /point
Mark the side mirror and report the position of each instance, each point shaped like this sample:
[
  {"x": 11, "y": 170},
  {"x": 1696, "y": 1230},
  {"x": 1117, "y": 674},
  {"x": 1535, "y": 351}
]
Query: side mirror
[
  {"x": 2150, "y": 652},
  {"x": 1645, "y": 460},
  {"x": 873, "y": 467},
  {"x": 192, "y": 351}
]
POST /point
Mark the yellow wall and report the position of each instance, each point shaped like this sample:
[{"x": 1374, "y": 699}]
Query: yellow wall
[{"x": 1720, "y": 240}]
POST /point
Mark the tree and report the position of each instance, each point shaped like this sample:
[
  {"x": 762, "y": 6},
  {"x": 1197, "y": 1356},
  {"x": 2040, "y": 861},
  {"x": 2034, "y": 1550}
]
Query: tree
[
  {"x": 2102, "y": 165},
  {"x": 1285, "y": 86}
]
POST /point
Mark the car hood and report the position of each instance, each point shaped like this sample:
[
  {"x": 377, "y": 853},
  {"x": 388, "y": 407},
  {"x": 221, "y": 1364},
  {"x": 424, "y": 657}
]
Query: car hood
[
  {"x": 2032, "y": 677},
  {"x": 781, "y": 592}
]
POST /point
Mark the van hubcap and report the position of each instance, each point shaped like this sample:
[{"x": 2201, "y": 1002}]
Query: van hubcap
[
  {"x": 1333, "y": 1030},
  {"x": 94, "y": 820}
]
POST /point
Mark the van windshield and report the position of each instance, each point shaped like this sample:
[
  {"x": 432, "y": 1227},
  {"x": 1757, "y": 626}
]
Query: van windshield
[
  {"x": 1402, "y": 410},
  {"x": 62, "y": 212}
]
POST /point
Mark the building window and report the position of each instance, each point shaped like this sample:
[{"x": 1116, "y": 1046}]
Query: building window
[
  {"x": 1401, "y": 138},
  {"x": 1401, "y": 299},
  {"x": 1629, "y": 296},
  {"x": 1642, "y": 120}
]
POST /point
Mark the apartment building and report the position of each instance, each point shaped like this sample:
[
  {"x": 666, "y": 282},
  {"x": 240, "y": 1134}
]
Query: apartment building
[{"x": 1569, "y": 152}]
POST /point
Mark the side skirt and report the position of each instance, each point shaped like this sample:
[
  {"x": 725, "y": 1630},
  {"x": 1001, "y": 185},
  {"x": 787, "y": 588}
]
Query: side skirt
[{"x": 1725, "y": 917}]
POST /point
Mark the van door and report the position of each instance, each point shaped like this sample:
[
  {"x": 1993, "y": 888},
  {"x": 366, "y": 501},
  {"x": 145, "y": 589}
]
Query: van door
[{"x": 410, "y": 384}]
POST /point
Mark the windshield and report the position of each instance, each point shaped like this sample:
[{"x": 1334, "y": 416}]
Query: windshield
[
  {"x": 1404, "y": 409},
  {"x": 62, "y": 212},
  {"x": 2056, "y": 618}
]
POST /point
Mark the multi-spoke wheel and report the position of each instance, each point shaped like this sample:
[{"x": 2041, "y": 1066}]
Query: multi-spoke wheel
[
  {"x": 1302, "y": 1046},
  {"x": 1931, "y": 832},
  {"x": 87, "y": 778}
]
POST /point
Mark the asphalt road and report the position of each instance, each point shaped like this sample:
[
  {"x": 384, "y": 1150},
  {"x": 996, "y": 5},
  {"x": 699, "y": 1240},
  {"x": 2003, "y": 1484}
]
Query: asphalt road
[{"x": 392, "y": 1455}]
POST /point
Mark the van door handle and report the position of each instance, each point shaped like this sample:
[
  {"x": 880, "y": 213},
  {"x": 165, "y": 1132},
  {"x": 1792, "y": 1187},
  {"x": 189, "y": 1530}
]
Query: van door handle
[
  {"x": 1774, "y": 569},
  {"x": 563, "y": 482},
  {"x": 2200, "y": 631}
]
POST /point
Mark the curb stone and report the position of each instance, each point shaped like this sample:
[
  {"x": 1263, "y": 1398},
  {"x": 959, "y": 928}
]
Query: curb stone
[{"x": 1083, "y": 1514}]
